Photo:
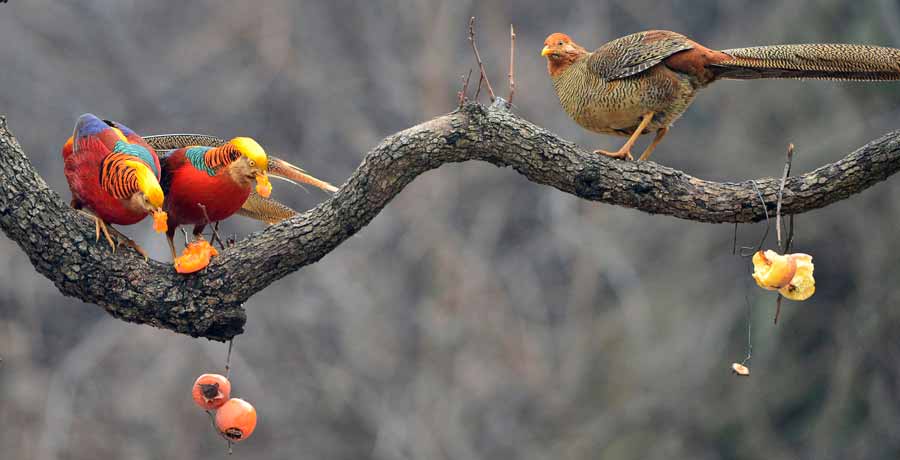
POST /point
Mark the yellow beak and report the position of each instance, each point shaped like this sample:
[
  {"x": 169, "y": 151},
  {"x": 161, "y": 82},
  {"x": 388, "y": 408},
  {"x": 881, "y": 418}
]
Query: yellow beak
[{"x": 546, "y": 51}]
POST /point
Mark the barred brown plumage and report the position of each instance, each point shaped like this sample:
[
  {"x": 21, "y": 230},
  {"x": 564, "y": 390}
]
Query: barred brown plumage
[
  {"x": 118, "y": 178},
  {"x": 643, "y": 82},
  {"x": 813, "y": 61}
]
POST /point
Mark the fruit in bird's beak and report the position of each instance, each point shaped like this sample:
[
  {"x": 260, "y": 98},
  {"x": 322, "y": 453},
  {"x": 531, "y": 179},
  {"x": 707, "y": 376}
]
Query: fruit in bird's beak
[
  {"x": 773, "y": 271},
  {"x": 159, "y": 221},
  {"x": 802, "y": 285},
  {"x": 236, "y": 419},
  {"x": 263, "y": 187},
  {"x": 195, "y": 257},
  {"x": 211, "y": 391}
]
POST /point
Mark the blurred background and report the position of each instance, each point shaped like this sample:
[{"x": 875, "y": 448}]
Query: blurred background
[{"x": 479, "y": 316}]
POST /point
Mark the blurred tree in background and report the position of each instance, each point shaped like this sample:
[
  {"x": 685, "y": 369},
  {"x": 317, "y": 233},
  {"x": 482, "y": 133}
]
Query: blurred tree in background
[{"x": 480, "y": 315}]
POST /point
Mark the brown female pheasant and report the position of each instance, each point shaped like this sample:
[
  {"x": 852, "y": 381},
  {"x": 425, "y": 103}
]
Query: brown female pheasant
[{"x": 642, "y": 83}]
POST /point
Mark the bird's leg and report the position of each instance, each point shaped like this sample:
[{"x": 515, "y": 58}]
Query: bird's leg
[
  {"x": 170, "y": 237},
  {"x": 99, "y": 226},
  {"x": 122, "y": 240},
  {"x": 661, "y": 133},
  {"x": 198, "y": 232},
  {"x": 625, "y": 151}
]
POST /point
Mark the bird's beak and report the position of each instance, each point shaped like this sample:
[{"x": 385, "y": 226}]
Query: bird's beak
[{"x": 546, "y": 51}]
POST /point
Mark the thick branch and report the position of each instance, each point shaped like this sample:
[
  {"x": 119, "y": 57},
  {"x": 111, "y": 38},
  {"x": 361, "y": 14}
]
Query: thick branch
[{"x": 61, "y": 244}]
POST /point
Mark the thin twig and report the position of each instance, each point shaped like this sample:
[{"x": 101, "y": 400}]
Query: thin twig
[
  {"x": 790, "y": 235},
  {"x": 483, "y": 76},
  {"x": 228, "y": 357},
  {"x": 465, "y": 88},
  {"x": 778, "y": 308},
  {"x": 768, "y": 224},
  {"x": 734, "y": 240},
  {"x": 216, "y": 236},
  {"x": 215, "y": 228},
  {"x": 784, "y": 176},
  {"x": 512, "y": 65},
  {"x": 749, "y": 331}
]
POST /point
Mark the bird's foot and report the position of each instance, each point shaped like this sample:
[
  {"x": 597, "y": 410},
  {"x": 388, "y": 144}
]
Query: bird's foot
[
  {"x": 122, "y": 240},
  {"x": 99, "y": 227},
  {"x": 620, "y": 154},
  {"x": 195, "y": 256}
]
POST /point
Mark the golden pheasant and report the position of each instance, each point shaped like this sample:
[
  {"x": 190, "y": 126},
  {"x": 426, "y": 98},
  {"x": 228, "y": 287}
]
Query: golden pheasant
[{"x": 642, "y": 83}]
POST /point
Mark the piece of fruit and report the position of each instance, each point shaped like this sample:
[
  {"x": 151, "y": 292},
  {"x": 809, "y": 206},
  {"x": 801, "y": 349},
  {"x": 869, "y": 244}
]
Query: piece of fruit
[
  {"x": 740, "y": 369},
  {"x": 159, "y": 221},
  {"x": 773, "y": 271},
  {"x": 195, "y": 257},
  {"x": 802, "y": 285},
  {"x": 263, "y": 187},
  {"x": 211, "y": 391},
  {"x": 236, "y": 419}
]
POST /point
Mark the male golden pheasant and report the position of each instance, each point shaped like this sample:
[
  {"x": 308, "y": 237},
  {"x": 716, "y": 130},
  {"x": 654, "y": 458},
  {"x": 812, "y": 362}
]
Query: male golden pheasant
[
  {"x": 642, "y": 83},
  {"x": 207, "y": 179}
]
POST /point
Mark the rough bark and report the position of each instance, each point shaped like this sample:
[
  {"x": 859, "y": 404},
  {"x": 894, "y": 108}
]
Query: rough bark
[{"x": 60, "y": 243}]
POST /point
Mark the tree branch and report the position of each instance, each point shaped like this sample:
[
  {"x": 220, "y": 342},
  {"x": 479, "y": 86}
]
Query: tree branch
[{"x": 60, "y": 243}]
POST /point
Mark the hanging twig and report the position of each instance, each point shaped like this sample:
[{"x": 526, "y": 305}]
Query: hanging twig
[
  {"x": 483, "y": 77},
  {"x": 228, "y": 357},
  {"x": 512, "y": 65},
  {"x": 790, "y": 235},
  {"x": 784, "y": 176},
  {"x": 786, "y": 246},
  {"x": 744, "y": 252}
]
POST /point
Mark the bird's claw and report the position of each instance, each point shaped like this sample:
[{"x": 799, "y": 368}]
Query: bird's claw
[
  {"x": 620, "y": 154},
  {"x": 109, "y": 232},
  {"x": 122, "y": 240}
]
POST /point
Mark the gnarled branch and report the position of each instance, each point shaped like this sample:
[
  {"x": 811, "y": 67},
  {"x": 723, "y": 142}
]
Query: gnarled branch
[{"x": 209, "y": 304}]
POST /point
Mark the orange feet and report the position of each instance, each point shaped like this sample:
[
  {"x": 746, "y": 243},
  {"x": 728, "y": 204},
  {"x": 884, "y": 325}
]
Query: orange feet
[
  {"x": 195, "y": 257},
  {"x": 621, "y": 154},
  {"x": 625, "y": 151}
]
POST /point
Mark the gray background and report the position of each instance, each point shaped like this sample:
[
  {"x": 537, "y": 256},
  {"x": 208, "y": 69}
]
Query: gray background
[{"x": 479, "y": 315}]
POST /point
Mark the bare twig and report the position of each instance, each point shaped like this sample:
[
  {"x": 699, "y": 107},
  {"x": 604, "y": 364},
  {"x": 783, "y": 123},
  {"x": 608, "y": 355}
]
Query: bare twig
[
  {"x": 461, "y": 95},
  {"x": 778, "y": 308},
  {"x": 483, "y": 76},
  {"x": 790, "y": 235},
  {"x": 762, "y": 241},
  {"x": 512, "y": 64},
  {"x": 785, "y": 247},
  {"x": 228, "y": 357},
  {"x": 784, "y": 176},
  {"x": 215, "y": 227}
]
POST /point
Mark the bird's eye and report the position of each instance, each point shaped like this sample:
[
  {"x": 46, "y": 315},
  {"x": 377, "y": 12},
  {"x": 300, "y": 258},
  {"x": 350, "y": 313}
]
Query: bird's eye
[
  {"x": 560, "y": 44},
  {"x": 252, "y": 163}
]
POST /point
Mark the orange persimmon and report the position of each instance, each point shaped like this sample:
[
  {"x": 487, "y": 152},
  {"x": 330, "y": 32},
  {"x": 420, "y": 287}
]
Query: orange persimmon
[
  {"x": 236, "y": 419},
  {"x": 211, "y": 391},
  {"x": 195, "y": 257}
]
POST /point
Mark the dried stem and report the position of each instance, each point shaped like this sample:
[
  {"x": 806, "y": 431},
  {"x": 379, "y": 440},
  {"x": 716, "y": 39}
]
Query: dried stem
[
  {"x": 512, "y": 64},
  {"x": 784, "y": 176},
  {"x": 461, "y": 95},
  {"x": 483, "y": 77}
]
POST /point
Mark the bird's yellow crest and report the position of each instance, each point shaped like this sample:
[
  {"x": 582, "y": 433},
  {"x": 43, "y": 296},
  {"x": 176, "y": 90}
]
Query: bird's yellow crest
[
  {"x": 252, "y": 150},
  {"x": 147, "y": 182}
]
